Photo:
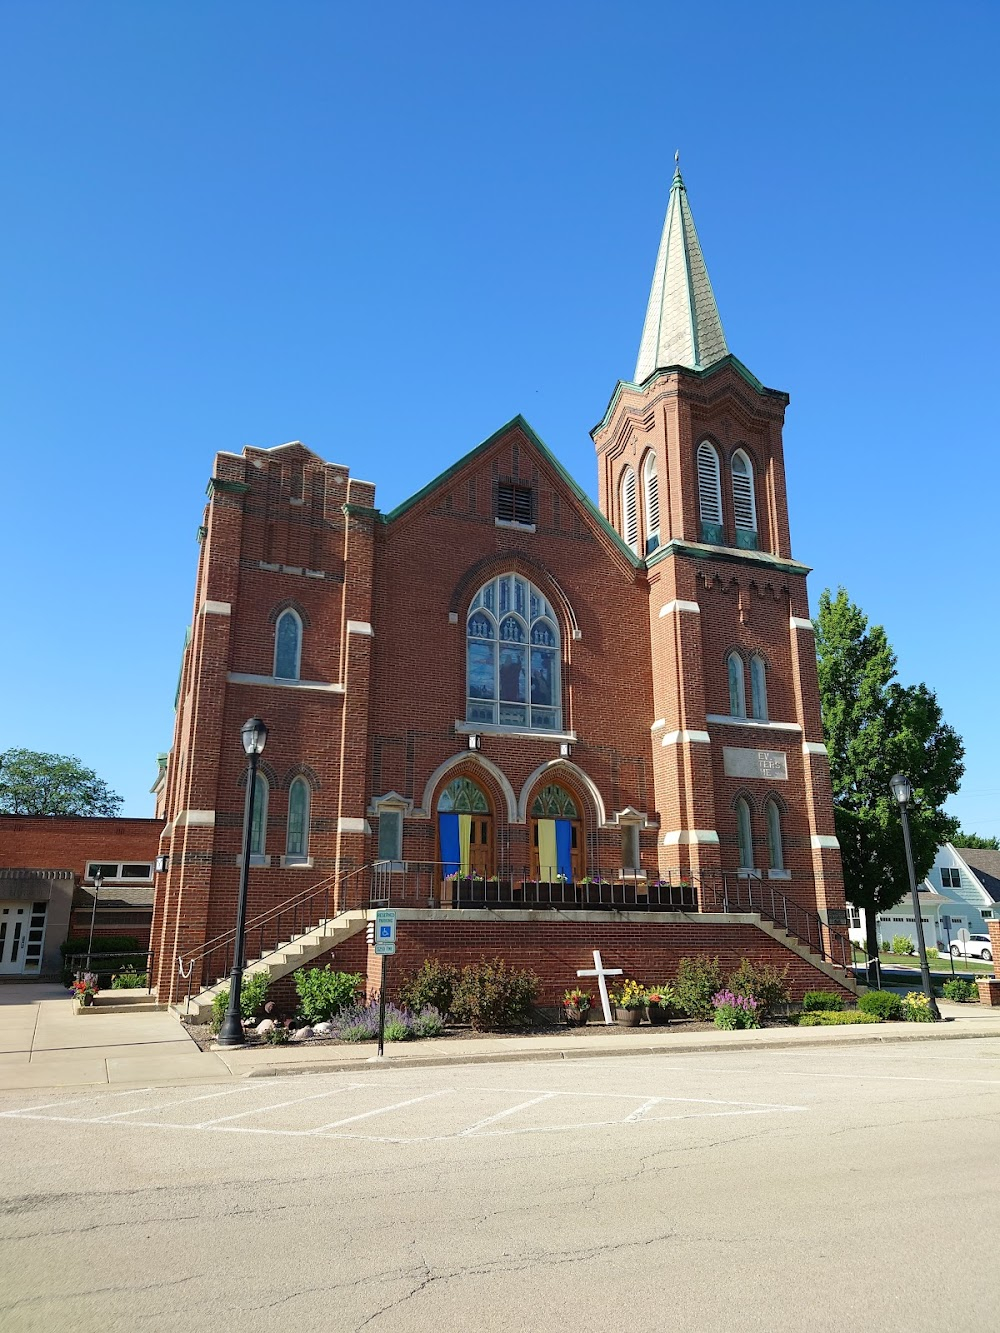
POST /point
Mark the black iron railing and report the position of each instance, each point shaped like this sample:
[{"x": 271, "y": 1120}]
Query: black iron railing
[{"x": 108, "y": 964}]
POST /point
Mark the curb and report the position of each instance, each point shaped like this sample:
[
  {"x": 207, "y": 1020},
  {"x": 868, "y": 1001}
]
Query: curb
[{"x": 398, "y": 1062}]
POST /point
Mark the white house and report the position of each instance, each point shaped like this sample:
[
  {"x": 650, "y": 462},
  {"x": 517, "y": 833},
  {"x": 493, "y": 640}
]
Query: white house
[{"x": 961, "y": 891}]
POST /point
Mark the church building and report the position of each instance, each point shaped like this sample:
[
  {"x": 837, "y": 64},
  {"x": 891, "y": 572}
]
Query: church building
[{"x": 533, "y": 725}]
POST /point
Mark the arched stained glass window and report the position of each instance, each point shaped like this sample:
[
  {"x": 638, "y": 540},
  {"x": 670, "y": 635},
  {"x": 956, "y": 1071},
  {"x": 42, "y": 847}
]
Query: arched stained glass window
[
  {"x": 758, "y": 688},
  {"x": 737, "y": 686},
  {"x": 258, "y": 819},
  {"x": 630, "y": 510},
  {"x": 462, "y": 797},
  {"x": 554, "y": 802},
  {"x": 297, "y": 840},
  {"x": 287, "y": 646},
  {"x": 745, "y": 834},
  {"x": 775, "y": 847},
  {"x": 512, "y": 657},
  {"x": 651, "y": 500}
]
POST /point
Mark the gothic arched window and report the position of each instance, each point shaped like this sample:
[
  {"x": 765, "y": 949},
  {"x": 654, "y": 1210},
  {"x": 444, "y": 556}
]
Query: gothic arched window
[
  {"x": 744, "y": 500},
  {"x": 297, "y": 837},
  {"x": 744, "y": 834},
  {"x": 651, "y": 502},
  {"x": 709, "y": 493},
  {"x": 287, "y": 645},
  {"x": 737, "y": 686},
  {"x": 775, "y": 847},
  {"x": 630, "y": 510},
  {"x": 512, "y": 657},
  {"x": 758, "y": 688},
  {"x": 258, "y": 819}
]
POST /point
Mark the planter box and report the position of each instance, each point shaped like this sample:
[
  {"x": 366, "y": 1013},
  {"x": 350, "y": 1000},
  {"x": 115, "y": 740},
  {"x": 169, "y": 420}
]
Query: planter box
[
  {"x": 989, "y": 991},
  {"x": 628, "y": 1018}
]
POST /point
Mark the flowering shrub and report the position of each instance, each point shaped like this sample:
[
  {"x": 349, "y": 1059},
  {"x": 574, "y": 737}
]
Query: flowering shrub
[
  {"x": 492, "y": 997},
  {"x": 359, "y": 1022},
  {"x": 630, "y": 995},
  {"x": 428, "y": 1023},
  {"x": 917, "y": 1008},
  {"x": 577, "y": 999},
  {"x": 432, "y": 987},
  {"x": 735, "y": 1011},
  {"x": 85, "y": 984}
]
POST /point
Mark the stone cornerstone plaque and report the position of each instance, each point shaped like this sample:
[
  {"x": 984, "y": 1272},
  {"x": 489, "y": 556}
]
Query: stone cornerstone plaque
[{"x": 755, "y": 763}]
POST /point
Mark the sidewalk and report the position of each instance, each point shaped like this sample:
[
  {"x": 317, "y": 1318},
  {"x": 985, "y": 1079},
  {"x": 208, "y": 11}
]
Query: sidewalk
[{"x": 43, "y": 1044}]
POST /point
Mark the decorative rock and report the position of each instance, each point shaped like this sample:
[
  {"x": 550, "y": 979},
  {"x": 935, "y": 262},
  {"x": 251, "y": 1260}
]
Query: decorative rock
[
  {"x": 322, "y": 1029},
  {"x": 303, "y": 1034},
  {"x": 265, "y": 1025}
]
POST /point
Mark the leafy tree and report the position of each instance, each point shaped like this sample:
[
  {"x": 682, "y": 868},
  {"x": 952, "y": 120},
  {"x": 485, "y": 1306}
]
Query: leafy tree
[
  {"x": 875, "y": 727},
  {"x": 52, "y": 784},
  {"x": 974, "y": 840}
]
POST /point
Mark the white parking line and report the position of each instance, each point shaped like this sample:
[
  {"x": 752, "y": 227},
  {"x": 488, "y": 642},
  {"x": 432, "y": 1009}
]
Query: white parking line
[
  {"x": 512, "y": 1110},
  {"x": 379, "y": 1110},
  {"x": 165, "y": 1106},
  {"x": 277, "y": 1106}
]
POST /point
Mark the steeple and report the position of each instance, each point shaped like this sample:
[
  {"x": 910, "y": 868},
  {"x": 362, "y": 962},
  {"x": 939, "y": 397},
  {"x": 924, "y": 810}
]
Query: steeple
[{"x": 682, "y": 325}]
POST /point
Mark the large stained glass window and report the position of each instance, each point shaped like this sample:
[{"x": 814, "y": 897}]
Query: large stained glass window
[
  {"x": 512, "y": 641},
  {"x": 287, "y": 646}
]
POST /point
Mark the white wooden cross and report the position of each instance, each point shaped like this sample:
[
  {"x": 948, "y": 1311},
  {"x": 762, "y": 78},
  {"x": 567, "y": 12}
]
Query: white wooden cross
[{"x": 602, "y": 973}]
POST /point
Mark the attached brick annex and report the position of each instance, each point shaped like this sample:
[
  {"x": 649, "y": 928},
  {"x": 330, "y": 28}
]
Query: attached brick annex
[{"x": 499, "y": 678}]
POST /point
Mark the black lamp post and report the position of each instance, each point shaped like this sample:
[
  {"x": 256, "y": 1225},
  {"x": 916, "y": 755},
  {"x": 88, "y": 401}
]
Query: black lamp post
[
  {"x": 254, "y": 736},
  {"x": 902, "y": 789}
]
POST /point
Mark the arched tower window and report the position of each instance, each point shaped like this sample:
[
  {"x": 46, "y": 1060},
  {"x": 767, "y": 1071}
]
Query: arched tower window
[
  {"x": 775, "y": 846},
  {"x": 758, "y": 688},
  {"x": 737, "y": 686},
  {"x": 744, "y": 834},
  {"x": 557, "y": 838},
  {"x": 297, "y": 837},
  {"x": 512, "y": 657},
  {"x": 258, "y": 819},
  {"x": 287, "y": 645},
  {"x": 465, "y": 829},
  {"x": 630, "y": 510},
  {"x": 709, "y": 493},
  {"x": 651, "y": 501},
  {"x": 744, "y": 501}
]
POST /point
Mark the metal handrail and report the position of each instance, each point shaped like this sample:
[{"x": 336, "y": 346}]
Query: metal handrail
[{"x": 84, "y": 962}]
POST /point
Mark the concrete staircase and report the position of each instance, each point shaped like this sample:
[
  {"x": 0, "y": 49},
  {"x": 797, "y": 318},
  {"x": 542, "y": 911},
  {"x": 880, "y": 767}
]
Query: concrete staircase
[{"x": 280, "y": 961}]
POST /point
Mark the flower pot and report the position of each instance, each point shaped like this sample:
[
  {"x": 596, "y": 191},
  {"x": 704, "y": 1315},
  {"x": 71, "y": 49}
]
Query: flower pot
[
  {"x": 576, "y": 1018},
  {"x": 87, "y": 998},
  {"x": 659, "y": 1015},
  {"x": 629, "y": 1018}
]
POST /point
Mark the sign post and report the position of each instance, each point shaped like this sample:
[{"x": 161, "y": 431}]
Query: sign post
[{"x": 385, "y": 945}]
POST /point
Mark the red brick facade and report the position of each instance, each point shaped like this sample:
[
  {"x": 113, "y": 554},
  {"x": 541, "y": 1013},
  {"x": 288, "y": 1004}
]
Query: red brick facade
[{"x": 377, "y": 718}]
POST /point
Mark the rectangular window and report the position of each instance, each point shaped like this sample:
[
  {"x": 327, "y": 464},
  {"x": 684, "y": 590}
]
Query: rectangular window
[
  {"x": 630, "y": 847},
  {"x": 390, "y": 835},
  {"x": 515, "y": 503},
  {"x": 950, "y": 878},
  {"x": 120, "y": 871},
  {"x": 855, "y": 918}
]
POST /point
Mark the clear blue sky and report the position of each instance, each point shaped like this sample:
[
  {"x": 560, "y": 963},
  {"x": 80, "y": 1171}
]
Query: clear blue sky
[{"x": 384, "y": 230}]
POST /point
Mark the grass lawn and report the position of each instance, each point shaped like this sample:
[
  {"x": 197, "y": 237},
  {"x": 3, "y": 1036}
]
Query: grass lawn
[{"x": 940, "y": 964}]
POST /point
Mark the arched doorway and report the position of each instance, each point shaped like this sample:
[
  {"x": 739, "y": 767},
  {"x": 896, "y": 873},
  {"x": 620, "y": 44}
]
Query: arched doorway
[
  {"x": 556, "y": 835},
  {"x": 465, "y": 830}
]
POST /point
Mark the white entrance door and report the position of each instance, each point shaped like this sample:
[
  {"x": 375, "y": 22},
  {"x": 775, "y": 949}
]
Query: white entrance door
[{"x": 22, "y": 927}]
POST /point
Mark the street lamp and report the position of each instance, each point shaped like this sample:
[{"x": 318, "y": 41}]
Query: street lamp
[
  {"x": 254, "y": 736},
  {"x": 98, "y": 885},
  {"x": 902, "y": 789}
]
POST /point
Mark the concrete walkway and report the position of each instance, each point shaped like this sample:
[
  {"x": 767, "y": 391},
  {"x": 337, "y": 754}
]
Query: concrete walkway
[{"x": 44, "y": 1044}]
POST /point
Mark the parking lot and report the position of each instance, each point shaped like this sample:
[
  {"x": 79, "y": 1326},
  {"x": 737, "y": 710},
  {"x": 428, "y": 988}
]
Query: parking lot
[{"x": 780, "y": 1190}]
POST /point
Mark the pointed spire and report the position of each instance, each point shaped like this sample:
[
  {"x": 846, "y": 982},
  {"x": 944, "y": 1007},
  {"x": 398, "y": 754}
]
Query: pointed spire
[{"x": 682, "y": 325}]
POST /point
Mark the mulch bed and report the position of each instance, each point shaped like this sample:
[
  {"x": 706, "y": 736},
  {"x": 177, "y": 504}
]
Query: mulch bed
[{"x": 205, "y": 1038}]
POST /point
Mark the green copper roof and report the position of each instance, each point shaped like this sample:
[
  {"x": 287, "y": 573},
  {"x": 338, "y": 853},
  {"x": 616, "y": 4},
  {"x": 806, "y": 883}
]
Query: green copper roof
[{"x": 682, "y": 325}]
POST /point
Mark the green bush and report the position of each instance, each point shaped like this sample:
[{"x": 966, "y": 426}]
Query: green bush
[
  {"x": 102, "y": 944},
  {"x": 902, "y": 944},
  {"x": 884, "y": 1004},
  {"x": 931, "y": 953},
  {"x": 433, "y": 987},
  {"x": 395, "y": 1030},
  {"x": 252, "y": 996},
  {"x": 821, "y": 1001},
  {"x": 323, "y": 993},
  {"x": 428, "y": 1023},
  {"x": 129, "y": 981},
  {"x": 279, "y": 1035},
  {"x": 828, "y": 1018},
  {"x": 960, "y": 990},
  {"x": 883, "y": 946},
  {"x": 763, "y": 982},
  {"x": 493, "y": 997},
  {"x": 697, "y": 980}
]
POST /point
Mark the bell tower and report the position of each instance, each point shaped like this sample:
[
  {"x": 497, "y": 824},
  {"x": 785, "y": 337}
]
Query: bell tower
[{"x": 691, "y": 475}]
